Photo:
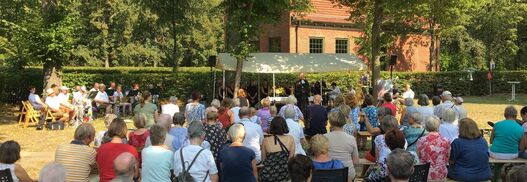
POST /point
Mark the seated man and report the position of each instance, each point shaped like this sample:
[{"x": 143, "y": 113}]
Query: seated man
[
  {"x": 77, "y": 156},
  {"x": 54, "y": 107},
  {"x": 65, "y": 105},
  {"x": 400, "y": 165},
  {"x": 125, "y": 167},
  {"x": 102, "y": 100},
  {"x": 37, "y": 104}
]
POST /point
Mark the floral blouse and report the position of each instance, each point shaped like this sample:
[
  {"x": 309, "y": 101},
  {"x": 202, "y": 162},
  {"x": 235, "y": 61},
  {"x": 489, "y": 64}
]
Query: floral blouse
[
  {"x": 434, "y": 149},
  {"x": 216, "y": 136}
]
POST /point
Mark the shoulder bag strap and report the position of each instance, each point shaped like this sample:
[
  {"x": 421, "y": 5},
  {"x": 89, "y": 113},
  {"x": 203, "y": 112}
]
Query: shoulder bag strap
[
  {"x": 194, "y": 160},
  {"x": 282, "y": 146},
  {"x": 415, "y": 141},
  {"x": 182, "y": 160}
]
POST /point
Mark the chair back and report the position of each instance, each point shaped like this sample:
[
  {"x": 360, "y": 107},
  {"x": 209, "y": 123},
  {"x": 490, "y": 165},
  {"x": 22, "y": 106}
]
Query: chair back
[
  {"x": 5, "y": 176},
  {"x": 420, "y": 173},
  {"x": 330, "y": 175}
]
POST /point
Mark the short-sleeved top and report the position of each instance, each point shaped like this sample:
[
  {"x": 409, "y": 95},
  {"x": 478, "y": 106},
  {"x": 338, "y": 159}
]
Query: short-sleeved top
[
  {"x": 354, "y": 115},
  {"x": 138, "y": 141},
  {"x": 204, "y": 162},
  {"x": 78, "y": 160},
  {"x": 298, "y": 112},
  {"x": 195, "y": 112},
  {"x": 434, "y": 149},
  {"x": 216, "y": 137},
  {"x": 169, "y": 139},
  {"x": 170, "y": 109},
  {"x": 103, "y": 96},
  {"x": 412, "y": 134},
  {"x": 332, "y": 164},
  {"x": 507, "y": 136},
  {"x": 53, "y": 102},
  {"x": 157, "y": 163},
  {"x": 439, "y": 109},
  {"x": 471, "y": 160},
  {"x": 425, "y": 111},
  {"x": 236, "y": 164},
  {"x": 449, "y": 131},
  {"x": 371, "y": 113},
  {"x": 253, "y": 137},
  {"x": 149, "y": 110},
  {"x": 318, "y": 120},
  {"x": 343, "y": 147},
  {"x": 390, "y": 106},
  {"x": 105, "y": 156},
  {"x": 224, "y": 118},
  {"x": 11, "y": 168},
  {"x": 34, "y": 100},
  {"x": 296, "y": 131},
  {"x": 236, "y": 112},
  {"x": 180, "y": 137},
  {"x": 264, "y": 115}
]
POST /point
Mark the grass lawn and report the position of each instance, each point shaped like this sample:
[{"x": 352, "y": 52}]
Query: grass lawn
[{"x": 38, "y": 147}]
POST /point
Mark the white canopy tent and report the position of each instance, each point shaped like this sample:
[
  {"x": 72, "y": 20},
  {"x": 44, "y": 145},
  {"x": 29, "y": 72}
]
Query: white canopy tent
[{"x": 292, "y": 63}]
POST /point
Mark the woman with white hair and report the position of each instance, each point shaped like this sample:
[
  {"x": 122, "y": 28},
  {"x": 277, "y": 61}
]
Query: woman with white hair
[
  {"x": 291, "y": 103},
  {"x": 238, "y": 163},
  {"x": 214, "y": 106},
  {"x": 448, "y": 128},
  {"x": 171, "y": 107},
  {"x": 434, "y": 149},
  {"x": 408, "y": 111}
]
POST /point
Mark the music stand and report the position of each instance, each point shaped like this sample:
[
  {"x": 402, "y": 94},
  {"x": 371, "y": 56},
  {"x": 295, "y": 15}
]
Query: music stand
[{"x": 513, "y": 91}]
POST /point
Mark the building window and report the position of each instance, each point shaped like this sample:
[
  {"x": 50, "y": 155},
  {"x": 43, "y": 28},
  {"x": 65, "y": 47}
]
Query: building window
[
  {"x": 341, "y": 46},
  {"x": 274, "y": 44},
  {"x": 316, "y": 45}
]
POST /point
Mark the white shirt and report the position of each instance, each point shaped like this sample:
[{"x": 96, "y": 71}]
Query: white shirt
[
  {"x": 449, "y": 131},
  {"x": 35, "y": 100},
  {"x": 236, "y": 111},
  {"x": 461, "y": 112},
  {"x": 53, "y": 102},
  {"x": 409, "y": 94},
  {"x": 253, "y": 137},
  {"x": 102, "y": 96},
  {"x": 63, "y": 98},
  {"x": 204, "y": 162},
  {"x": 425, "y": 111},
  {"x": 168, "y": 141},
  {"x": 170, "y": 109},
  {"x": 297, "y": 132}
]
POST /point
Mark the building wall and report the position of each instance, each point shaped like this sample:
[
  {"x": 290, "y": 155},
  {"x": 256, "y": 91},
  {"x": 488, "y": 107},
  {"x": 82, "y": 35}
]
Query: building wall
[
  {"x": 328, "y": 35},
  {"x": 413, "y": 53},
  {"x": 280, "y": 29}
]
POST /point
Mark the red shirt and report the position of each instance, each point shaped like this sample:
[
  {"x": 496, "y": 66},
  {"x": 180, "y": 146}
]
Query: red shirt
[
  {"x": 390, "y": 106},
  {"x": 105, "y": 156},
  {"x": 224, "y": 118}
]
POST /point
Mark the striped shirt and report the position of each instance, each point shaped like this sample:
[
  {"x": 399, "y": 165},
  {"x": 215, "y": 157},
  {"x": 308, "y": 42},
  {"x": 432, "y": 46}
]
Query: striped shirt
[{"x": 77, "y": 159}]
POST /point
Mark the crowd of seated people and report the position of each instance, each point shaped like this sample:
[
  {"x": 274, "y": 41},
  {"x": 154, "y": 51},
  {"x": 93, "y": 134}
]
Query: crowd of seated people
[{"x": 230, "y": 141}]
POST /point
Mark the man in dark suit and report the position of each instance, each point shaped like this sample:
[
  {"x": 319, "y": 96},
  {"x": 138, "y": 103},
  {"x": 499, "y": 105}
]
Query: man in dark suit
[{"x": 302, "y": 92}]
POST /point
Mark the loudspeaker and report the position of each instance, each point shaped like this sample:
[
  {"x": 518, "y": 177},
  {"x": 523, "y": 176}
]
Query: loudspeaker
[
  {"x": 212, "y": 61},
  {"x": 393, "y": 60}
]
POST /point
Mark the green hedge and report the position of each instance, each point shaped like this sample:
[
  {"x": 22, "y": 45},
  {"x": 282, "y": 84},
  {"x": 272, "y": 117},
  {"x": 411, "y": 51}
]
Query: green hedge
[{"x": 14, "y": 82}]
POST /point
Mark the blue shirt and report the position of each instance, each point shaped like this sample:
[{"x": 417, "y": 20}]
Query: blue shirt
[
  {"x": 371, "y": 113},
  {"x": 507, "y": 136},
  {"x": 157, "y": 163},
  {"x": 332, "y": 164},
  {"x": 180, "y": 137},
  {"x": 236, "y": 164},
  {"x": 471, "y": 160}
]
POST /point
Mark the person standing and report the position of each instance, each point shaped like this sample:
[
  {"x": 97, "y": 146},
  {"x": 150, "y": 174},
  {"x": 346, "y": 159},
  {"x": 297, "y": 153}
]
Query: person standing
[
  {"x": 302, "y": 92},
  {"x": 252, "y": 93}
]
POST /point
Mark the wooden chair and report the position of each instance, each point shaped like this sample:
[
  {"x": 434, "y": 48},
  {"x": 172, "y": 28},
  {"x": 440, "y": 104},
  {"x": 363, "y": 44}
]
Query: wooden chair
[
  {"x": 5, "y": 176},
  {"x": 32, "y": 116},
  {"x": 22, "y": 112},
  {"x": 330, "y": 175}
]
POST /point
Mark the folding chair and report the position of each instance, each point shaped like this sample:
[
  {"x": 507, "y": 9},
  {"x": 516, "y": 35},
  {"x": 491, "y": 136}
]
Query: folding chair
[
  {"x": 330, "y": 175},
  {"x": 22, "y": 113}
]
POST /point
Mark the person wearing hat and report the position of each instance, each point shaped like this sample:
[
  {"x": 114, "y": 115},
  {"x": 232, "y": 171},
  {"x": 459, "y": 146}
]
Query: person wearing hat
[
  {"x": 53, "y": 104},
  {"x": 446, "y": 98},
  {"x": 65, "y": 105},
  {"x": 461, "y": 112}
]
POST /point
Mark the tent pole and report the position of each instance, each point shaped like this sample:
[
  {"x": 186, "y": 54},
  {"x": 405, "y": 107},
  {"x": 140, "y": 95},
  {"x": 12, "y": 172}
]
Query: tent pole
[
  {"x": 274, "y": 91},
  {"x": 258, "y": 90},
  {"x": 224, "y": 84}
]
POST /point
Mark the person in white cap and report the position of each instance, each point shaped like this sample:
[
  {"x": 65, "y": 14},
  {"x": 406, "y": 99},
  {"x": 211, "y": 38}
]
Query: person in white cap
[
  {"x": 64, "y": 96},
  {"x": 53, "y": 104},
  {"x": 102, "y": 99},
  {"x": 461, "y": 112},
  {"x": 446, "y": 98}
]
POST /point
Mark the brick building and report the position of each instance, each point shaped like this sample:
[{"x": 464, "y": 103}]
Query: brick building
[{"x": 327, "y": 30}]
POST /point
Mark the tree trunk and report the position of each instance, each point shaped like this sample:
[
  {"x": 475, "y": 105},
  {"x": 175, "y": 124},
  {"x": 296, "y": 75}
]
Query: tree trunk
[
  {"x": 174, "y": 37},
  {"x": 432, "y": 48},
  {"x": 376, "y": 43},
  {"x": 238, "y": 76},
  {"x": 52, "y": 74}
]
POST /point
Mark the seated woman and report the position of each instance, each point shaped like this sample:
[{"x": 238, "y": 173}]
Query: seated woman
[
  {"x": 291, "y": 102},
  {"x": 408, "y": 111},
  {"x": 9, "y": 155},
  {"x": 195, "y": 111},
  {"x": 157, "y": 159},
  {"x": 413, "y": 132},
  {"x": 384, "y": 144},
  {"x": 469, "y": 158},
  {"x": 434, "y": 149},
  {"x": 321, "y": 159},
  {"x": 341, "y": 145},
  {"x": 178, "y": 131},
  {"x": 277, "y": 149},
  {"x": 448, "y": 129},
  {"x": 225, "y": 114},
  {"x": 214, "y": 134},
  {"x": 138, "y": 137},
  {"x": 265, "y": 114},
  {"x": 147, "y": 108},
  {"x": 237, "y": 161},
  {"x": 300, "y": 168},
  {"x": 506, "y": 136}
]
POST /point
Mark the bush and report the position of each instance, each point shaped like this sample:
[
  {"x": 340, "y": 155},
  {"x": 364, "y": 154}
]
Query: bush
[{"x": 13, "y": 83}]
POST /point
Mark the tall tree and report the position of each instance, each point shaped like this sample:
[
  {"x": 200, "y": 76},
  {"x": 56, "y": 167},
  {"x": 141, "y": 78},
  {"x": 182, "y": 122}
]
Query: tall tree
[{"x": 244, "y": 19}]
